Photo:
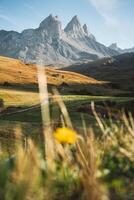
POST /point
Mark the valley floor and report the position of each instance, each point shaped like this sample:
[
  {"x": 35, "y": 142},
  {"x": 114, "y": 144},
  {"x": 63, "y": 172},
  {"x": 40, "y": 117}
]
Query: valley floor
[{"x": 22, "y": 108}]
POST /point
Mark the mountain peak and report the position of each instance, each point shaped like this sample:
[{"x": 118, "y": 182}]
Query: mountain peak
[
  {"x": 74, "y": 27},
  {"x": 85, "y": 28},
  {"x": 75, "y": 20},
  {"x": 50, "y": 19},
  {"x": 52, "y": 25},
  {"x": 86, "y": 31},
  {"x": 114, "y": 46}
]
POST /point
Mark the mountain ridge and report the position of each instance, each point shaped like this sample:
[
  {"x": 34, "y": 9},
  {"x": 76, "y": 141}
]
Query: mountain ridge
[
  {"x": 115, "y": 47},
  {"x": 52, "y": 45}
]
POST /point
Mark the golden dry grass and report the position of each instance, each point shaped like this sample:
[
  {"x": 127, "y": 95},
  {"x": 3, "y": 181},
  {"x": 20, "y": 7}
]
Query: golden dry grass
[
  {"x": 16, "y": 72},
  {"x": 14, "y": 97}
]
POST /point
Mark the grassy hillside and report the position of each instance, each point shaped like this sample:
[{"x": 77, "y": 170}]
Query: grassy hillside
[
  {"x": 118, "y": 71},
  {"x": 13, "y": 71},
  {"x": 17, "y": 75}
]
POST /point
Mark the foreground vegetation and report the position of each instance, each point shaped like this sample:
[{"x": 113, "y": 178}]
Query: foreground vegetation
[{"x": 82, "y": 165}]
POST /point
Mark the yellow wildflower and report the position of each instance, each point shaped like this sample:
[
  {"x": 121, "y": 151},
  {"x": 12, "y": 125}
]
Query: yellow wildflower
[{"x": 65, "y": 135}]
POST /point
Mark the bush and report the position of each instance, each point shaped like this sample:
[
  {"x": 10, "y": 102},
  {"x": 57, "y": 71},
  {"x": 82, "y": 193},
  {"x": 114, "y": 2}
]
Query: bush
[
  {"x": 6, "y": 84},
  {"x": 1, "y": 103}
]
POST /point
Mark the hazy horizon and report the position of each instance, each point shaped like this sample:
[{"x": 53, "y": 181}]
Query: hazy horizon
[{"x": 109, "y": 21}]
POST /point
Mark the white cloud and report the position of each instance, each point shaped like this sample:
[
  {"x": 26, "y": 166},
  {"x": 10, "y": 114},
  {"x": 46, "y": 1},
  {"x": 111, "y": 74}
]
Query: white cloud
[
  {"x": 106, "y": 8},
  {"x": 8, "y": 19}
]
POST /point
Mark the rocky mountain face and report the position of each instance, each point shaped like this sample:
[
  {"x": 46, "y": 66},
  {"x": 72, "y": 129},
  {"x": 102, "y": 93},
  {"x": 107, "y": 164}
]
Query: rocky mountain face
[
  {"x": 115, "y": 47},
  {"x": 52, "y": 45}
]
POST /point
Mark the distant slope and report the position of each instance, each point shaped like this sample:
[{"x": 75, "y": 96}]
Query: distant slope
[
  {"x": 13, "y": 71},
  {"x": 119, "y": 71}
]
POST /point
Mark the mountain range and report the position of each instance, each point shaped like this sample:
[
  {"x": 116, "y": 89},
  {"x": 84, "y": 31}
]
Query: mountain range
[
  {"x": 50, "y": 44},
  {"x": 115, "y": 47}
]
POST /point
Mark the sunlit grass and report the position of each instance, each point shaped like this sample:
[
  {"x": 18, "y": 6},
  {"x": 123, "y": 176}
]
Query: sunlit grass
[{"x": 14, "y": 97}]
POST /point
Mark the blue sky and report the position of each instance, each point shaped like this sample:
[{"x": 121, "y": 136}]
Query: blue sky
[{"x": 109, "y": 20}]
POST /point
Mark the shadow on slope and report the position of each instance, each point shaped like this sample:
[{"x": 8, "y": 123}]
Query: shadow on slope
[{"x": 118, "y": 71}]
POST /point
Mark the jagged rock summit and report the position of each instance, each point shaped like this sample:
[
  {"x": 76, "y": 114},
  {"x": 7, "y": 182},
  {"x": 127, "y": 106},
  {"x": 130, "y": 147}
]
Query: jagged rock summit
[
  {"x": 53, "y": 45},
  {"x": 114, "y": 46},
  {"x": 74, "y": 29},
  {"x": 52, "y": 26},
  {"x": 86, "y": 31}
]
